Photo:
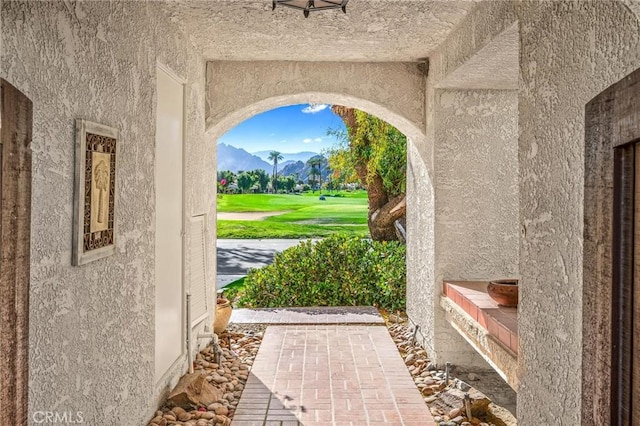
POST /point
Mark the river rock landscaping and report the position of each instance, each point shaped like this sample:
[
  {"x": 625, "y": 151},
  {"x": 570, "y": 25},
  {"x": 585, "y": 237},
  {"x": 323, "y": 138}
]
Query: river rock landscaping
[
  {"x": 446, "y": 402},
  {"x": 226, "y": 368},
  {"x": 238, "y": 347}
]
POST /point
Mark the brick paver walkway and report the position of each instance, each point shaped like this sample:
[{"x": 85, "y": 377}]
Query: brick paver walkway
[
  {"x": 330, "y": 375},
  {"x": 312, "y": 315}
]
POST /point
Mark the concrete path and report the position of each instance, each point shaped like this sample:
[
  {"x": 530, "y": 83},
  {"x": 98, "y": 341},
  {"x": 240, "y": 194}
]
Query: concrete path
[
  {"x": 330, "y": 375},
  {"x": 313, "y": 315},
  {"x": 236, "y": 257}
]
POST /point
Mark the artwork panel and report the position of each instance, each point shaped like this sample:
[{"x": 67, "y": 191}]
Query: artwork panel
[{"x": 95, "y": 192}]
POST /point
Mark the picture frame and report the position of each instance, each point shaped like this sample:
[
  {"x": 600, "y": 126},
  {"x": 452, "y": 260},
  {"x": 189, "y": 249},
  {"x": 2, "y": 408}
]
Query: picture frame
[{"x": 94, "y": 198}]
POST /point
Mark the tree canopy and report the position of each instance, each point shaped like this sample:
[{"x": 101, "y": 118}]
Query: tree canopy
[{"x": 374, "y": 152}]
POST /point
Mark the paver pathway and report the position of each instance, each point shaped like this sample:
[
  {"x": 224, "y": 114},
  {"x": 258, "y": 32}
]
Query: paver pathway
[{"x": 326, "y": 374}]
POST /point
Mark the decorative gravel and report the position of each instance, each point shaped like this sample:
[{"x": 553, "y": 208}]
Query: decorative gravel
[{"x": 240, "y": 344}]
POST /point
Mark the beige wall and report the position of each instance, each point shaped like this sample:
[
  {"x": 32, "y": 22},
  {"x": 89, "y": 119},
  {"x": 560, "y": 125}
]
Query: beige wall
[
  {"x": 92, "y": 327},
  {"x": 476, "y": 210},
  {"x": 464, "y": 242},
  {"x": 392, "y": 91},
  {"x": 570, "y": 52},
  {"x": 476, "y": 174}
]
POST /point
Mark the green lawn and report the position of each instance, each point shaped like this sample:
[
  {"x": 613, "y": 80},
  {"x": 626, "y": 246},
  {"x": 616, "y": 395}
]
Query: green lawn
[
  {"x": 306, "y": 216},
  {"x": 281, "y": 202}
]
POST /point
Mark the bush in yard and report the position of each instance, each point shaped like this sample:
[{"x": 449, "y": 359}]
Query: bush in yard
[{"x": 336, "y": 271}]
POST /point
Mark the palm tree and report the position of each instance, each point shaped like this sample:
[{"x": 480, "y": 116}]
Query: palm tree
[
  {"x": 313, "y": 175},
  {"x": 316, "y": 168},
  {"x": 275, "y": 156}
]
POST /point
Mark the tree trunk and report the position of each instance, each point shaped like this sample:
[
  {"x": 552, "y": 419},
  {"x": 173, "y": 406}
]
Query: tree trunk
[
  {"x": 383, "y": 212},
  {"x": 381, "y": 221}
]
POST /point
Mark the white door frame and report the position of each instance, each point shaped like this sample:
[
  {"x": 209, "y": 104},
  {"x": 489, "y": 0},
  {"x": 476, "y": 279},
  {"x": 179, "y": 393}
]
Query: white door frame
[{"x": 167, "y": 375}]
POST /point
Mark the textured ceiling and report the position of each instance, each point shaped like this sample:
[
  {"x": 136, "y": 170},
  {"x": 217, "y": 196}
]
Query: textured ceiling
[{"x": 373, "y": 30}]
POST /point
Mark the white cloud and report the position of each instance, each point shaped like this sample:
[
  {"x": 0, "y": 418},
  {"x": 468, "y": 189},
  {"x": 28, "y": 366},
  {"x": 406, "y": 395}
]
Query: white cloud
[
  {"x": 310, "y": 140},
  {"x": 314, "y": 108}
]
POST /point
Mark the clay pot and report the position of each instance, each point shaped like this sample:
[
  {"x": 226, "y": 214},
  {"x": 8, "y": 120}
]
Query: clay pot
[
  {"x": 222, "y": 315},
  {"x": 504, "y": 292}
]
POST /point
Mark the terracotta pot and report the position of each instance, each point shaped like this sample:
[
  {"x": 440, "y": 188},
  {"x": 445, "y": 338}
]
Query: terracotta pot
[
  {"x": 504, "y": 292},
  {"x": 222, "y": 315}
]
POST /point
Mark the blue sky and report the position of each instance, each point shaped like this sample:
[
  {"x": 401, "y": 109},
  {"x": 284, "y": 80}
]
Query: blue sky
[{"x": 289, "y": 129}]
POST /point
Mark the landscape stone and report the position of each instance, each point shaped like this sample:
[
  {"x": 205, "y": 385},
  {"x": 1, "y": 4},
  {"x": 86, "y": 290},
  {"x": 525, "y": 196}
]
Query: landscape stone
[
  {"x": 193, "y": 390},
  {"x": 453, "y": 399}
]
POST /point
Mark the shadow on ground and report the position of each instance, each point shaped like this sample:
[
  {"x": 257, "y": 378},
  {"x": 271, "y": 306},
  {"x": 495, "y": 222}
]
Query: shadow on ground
[{"x": 238, "y": 261}]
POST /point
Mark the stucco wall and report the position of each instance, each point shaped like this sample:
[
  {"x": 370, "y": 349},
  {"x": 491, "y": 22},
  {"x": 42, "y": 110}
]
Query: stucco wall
[
  {"x": 488, "y": 28},
  {"x": 476, "y": 191},
  {"x": 392, "y": 91},
  {"x": 476, "y": 174},
  {"x": 92, "y": 327},
  {"x": 570, "y": 52},
  {"x": 420, "y": 247}
]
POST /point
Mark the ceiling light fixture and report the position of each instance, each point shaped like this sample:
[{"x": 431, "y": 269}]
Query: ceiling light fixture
[{"x": 312, "y": 5}]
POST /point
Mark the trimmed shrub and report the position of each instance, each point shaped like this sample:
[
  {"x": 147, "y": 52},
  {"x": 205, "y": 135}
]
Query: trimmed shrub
[{"x": 336, "y": 271}]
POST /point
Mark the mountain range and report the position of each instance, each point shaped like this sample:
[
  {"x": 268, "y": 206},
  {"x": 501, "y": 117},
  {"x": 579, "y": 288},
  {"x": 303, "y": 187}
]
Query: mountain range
[
  {"x": 289, "y": 158},
  {"x": 301, "y": 170},
  {"x": 238, "y": 159}
]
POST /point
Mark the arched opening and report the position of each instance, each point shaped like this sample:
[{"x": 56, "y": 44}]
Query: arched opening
[
  {"x": 286, "y": 327},
  {"x": 418, "y": 183}
]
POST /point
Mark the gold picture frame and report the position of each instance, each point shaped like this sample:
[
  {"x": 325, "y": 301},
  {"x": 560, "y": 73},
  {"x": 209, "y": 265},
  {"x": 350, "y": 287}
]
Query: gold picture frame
[{"x": 94, "y": 221}]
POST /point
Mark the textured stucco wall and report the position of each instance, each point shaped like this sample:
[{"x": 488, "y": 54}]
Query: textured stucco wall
[
  {"x": 476, "y": 191},
  {"x": 488, "y": 28},
  {"x": 392, "y": 91},
  {"x": 476, "y": 174},
  {"x": 92, "y": 327},
  {"x": 495, "y": 66},
  {"x": 570, "y": 52},
  {"x": 420, "y": 246}
]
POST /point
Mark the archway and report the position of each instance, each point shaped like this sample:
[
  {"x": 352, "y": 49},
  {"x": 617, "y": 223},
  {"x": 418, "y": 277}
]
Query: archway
[
  {"x": 420, "y": 200},
  {"x": 406, "y": 126}
]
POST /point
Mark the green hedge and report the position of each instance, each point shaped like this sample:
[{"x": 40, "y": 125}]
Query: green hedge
[{"x": 336, "y": 271}]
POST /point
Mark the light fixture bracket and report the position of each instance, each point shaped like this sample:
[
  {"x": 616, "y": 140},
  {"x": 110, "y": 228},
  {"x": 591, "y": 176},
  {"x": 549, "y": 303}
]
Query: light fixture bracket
[{"x": 308, "y": 6}]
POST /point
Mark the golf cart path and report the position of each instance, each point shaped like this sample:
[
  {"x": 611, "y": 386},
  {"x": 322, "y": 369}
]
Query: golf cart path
[{"x": 236, "y": 257}]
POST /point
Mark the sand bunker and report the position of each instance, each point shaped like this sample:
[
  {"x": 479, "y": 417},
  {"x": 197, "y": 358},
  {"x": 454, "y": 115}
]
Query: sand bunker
[{"x": 248, "y": 215}]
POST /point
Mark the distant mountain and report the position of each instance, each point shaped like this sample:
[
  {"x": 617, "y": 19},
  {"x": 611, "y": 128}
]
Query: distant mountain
[
  {"x": 235, "y": 159},
  {"x": 282, "y": 164},
  {"x": 292, "y": 169},
  {"x": 301, "y": 170},
  {"x": 293, "y": 157}
]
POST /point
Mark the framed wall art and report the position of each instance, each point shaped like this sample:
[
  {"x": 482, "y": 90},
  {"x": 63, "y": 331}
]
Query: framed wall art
[{"x": 95, "y": 192}]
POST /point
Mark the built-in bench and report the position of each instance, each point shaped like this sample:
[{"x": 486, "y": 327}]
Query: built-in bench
[{"x": 491, "y": 329}]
